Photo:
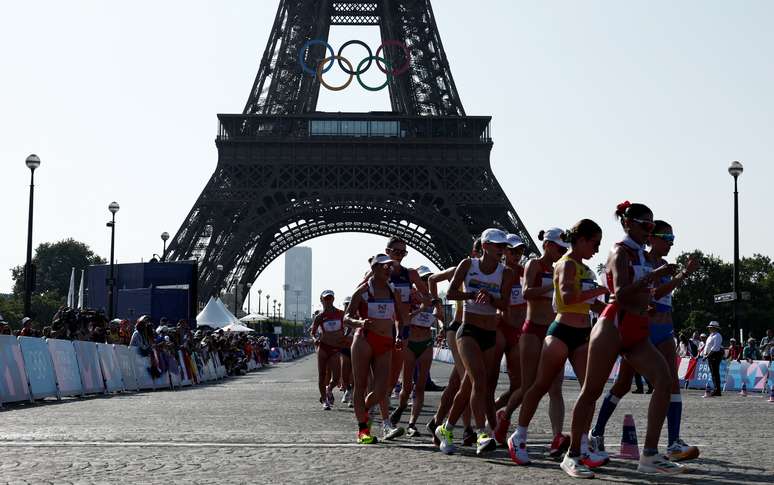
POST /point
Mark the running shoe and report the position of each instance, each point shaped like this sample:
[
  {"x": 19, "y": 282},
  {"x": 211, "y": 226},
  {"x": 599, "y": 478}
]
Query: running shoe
[
  {"x": 446, "y": 440},
  {"x": 597, "y": 447},
  {"x": 412, "y": 431},
  {"x": 468, "y": 437},
  {"x": 518, "y": 450},
  {"x": 501, "y": 428},
  {"x": 559, "y": 445},
  {"x": 364, "y": 437},
  {"x": 431, "y": 426},
  {"x": 397, "y": 389},
  {"x": 485, "y": 444},
  {"x": 326, "y": 406},
  {"x": 680, "y": 451},
  {"x": 390, "y": 432},
  {"x": 594, "y": 460},
  {"x": 575, "y": 468},
  {"x": 350, "y": 404},
  {"x": 347, "y": 397},
  {"x": 397, "y": 414},
  {"x": 658, "y": 465}
]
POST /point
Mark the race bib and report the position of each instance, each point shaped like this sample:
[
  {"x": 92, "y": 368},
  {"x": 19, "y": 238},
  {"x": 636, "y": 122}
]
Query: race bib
[
  {"x": 517, "y": 297},
  {"x": 423, "y": 319},
  {"x": 405, "y": 291},
  {"x": 332, "y": 325},
  {"x": 381, "y": 310}
]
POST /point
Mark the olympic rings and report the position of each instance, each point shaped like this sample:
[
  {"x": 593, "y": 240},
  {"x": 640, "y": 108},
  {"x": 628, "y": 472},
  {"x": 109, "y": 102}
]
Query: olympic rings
[
  {"x": 362, "y": 67},
  {"x": 320, "y": 72},
  {"x": 389, "y": 73},
  {"x": 370, "y": 54},
  {"x": 301, "y": 52},
  {"x": 397, "y": 43}
]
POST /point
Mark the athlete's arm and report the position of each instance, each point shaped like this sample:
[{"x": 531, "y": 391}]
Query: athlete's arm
[
  {"x": 533, "y": 292},
  {"x": 349, "y": 317},
  {"x": 669, "y": 287},
  {"x": 570, "y": 295},
  {"x": 455, "y": 287},
  {"x": 623, "y": 288},
  {"x": 418, "y": 283},
  {"x": 504, "y": 302},
  {"x": 434, "y": 279},
  {"x": 315, "y": 325}
]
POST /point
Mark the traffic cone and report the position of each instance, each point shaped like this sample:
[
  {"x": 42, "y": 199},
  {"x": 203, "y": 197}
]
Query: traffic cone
[
  {"x": 706, "y": 390},
  {"x": 629, "y": 448},
  {"x": 743, "y": 392}
]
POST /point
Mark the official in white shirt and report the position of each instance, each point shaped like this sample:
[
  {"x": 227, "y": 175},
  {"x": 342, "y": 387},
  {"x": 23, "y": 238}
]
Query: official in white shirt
[{"x": 713, "y": 352}]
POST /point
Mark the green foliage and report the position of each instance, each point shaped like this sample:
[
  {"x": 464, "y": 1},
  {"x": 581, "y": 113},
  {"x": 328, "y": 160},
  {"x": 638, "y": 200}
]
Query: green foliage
[
  {"x": 43, "y": 308},
  {"x": 54, "y": 263},
  {"x": 694, "y": 305}
]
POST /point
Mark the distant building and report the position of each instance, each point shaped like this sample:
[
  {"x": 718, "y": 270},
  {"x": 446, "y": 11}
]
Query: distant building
[{"x": 298, "y": 284}]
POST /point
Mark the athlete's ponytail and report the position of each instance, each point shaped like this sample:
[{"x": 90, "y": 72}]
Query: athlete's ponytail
[{"x": 541, "y": 235}]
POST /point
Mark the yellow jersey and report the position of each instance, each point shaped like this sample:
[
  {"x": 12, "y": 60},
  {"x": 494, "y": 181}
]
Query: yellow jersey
[{"x": 584, "y": 280}]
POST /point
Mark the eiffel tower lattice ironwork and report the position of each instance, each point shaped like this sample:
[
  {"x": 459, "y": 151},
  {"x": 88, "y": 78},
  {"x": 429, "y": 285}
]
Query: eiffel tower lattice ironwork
[{"x": 287, "y": 173}]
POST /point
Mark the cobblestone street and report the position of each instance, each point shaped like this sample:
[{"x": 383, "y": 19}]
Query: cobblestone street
[{"x": 268, "y": 427}]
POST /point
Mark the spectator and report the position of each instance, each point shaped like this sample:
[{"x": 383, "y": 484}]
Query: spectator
[
  {"x": 702, "y": 342},
  {"x": 140, "y": 336},
  {"x": 5, "y": 329},
  {"x": 713, "y": 352},
  {"x": 767, "y": 345},
  {"x": 26, "y": 330},
  {"x": 734, "y": 350},
  {"x": 750, "y": 351},
  {"x": 688, "y": 348}
]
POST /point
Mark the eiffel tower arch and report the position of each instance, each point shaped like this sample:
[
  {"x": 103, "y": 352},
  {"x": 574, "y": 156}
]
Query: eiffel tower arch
[{"x": 287, "y": 173}]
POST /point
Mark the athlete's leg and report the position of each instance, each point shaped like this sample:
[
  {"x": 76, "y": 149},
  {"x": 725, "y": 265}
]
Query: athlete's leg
[
  {"x": 361, "y": 368},
  {"x": 512, "y": 361},
  {"x": 651, "y": 364},
  {"x": 424, "y": 361}
]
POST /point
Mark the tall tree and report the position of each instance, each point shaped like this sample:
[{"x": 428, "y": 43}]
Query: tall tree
[{"x": 53, "y": 264}]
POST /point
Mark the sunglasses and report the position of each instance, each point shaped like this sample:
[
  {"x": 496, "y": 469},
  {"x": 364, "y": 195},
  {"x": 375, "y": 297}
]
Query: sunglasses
[
  {"x": 647, "y": 225},
  {"x": 665, "y": 237},
  {"x": 400, "y": 252}
]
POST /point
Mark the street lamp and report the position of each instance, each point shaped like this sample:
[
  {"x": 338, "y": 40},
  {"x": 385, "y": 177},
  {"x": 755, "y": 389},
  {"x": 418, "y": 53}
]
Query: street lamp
[
  {"x": 32, "y": 162},
  {"x": 735, "y": 169},
  {"x": 164, "y": 237},
  {"x": 113, "y": 208},
  {"x": 267, "y": 304},
  {"x": 274, "y": 308},
  {"x": 249, "y": 285},
  {"x": 279, "y": 311},
  {"x": 259, "y": 300},
  {"x": 298, "y": 293}
]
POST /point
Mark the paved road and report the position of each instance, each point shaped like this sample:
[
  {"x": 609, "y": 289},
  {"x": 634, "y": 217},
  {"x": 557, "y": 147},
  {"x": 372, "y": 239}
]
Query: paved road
[{"x": 268, "y": 428}]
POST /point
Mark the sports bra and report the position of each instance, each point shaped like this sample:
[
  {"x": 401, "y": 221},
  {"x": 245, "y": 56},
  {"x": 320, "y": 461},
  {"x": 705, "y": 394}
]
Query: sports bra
[
  {"x": 517, "y": 295},
  {"x": 639, "y": 267},
  {"x": 377, "y": 308},
  {"x": 332, "y": 321},
  {"x": 544, "y": 278},
  {"x": 664, "y": 304},
  {"x": 476, "y": 280},
  {"x": 424, "y": 318},
  {"x": 584, "y": 280},
  {"x": 402, "y": 281}
]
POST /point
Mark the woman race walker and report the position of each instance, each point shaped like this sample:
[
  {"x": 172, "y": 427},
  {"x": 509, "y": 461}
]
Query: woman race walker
[
  {"x": 538, "y": 290},
  {"x": 418, "y": 355},
  {"x": 329, "y": 344},
  {"x": 662, "y": 336},
  {"x": 346, "y": 362},
  {"x": 623, "y": 329},
  {"x": 377, "y": 304},
  {"x": 575, "y": 294},
  {"x": 509, "y": 332},
  {"x": 455, "y": 379},
  {"x": 487, "y": 287}
]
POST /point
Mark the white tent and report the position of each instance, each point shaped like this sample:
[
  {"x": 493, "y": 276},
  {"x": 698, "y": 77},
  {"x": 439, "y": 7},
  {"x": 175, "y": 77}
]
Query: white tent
[
  {"x": 253, "y": 318},
  {"x": 225, "y": 310},
  {"x": 236, "y": 327},
  {"x": 213, "y": 315}
]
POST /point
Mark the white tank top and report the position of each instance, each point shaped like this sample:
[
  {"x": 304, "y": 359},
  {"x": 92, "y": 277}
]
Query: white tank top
[{"x": 476, "y": 280}]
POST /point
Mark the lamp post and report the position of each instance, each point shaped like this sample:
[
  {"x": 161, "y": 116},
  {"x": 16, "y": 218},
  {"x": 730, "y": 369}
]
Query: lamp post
[
  {"x": 298, "y": 293},
  {"x": 267, "y": 305},
  {"x": 249, "y": 285},
  {"x": 279, "y": 311},
  {"x": 32, "y": 162},
  {"x": 274, "y": 309},
  {"x": 164, "y": 237},
  {"x": 113, "y": 208},
  {"x": 259, "y": 300},
  {"x": 735, "y": 169}
]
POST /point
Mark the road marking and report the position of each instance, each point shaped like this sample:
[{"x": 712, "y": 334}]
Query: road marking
[{"x": 178, "y": 444}]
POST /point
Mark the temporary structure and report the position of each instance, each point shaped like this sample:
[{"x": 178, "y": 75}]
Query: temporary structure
[
  {"x": 253, "y": 318},
  {"x": 237, "y": 327},
  {"x": 213, "y": 315}
]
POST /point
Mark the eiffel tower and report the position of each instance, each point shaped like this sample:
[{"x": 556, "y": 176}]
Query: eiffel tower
[{"x": 287, "y": 173}]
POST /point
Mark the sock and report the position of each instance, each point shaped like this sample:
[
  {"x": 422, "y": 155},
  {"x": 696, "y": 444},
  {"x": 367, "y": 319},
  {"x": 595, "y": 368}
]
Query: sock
[
  {"x": 521, "y": 433},
  {"x": 449, "y": 426},
  {"x": 650, "y": 451},
  {"x": 362, "y": 426},
  {"x": 674, "y": 415},
  {"x": 584, "y": 443},
  {"x": 605, "y": 411}
]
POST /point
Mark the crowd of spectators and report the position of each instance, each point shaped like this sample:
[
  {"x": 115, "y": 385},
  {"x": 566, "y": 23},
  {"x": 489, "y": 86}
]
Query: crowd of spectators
[
  {"x": 693, "y": 346},
  {"x": 164, "y": 342}
]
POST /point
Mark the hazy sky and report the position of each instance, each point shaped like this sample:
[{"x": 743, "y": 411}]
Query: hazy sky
[{"x": 593, "y": 102}]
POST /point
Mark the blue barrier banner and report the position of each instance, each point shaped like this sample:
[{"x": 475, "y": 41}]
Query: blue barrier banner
[
  {"x": 40, "y": 367},
  {"x": 141, "y": 369},
  {"x": 68, "y": 377},
  {"x": 125, "y": 359},
  {"x": 702, "y": 375},
  {"x": 13, "y": 378},
  {"x": 111, "y": 372},
  {"x": 753, "y": 374},
  {"x": 88, "y": 364},
  {"x": 771, "y": 375},
  {"x": 185, "y": 379}
]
